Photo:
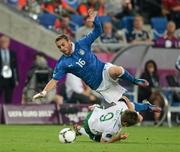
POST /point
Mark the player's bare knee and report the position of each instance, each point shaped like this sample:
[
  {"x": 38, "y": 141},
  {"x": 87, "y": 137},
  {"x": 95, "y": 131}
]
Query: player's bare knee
[{"x": 116, "y": 71}]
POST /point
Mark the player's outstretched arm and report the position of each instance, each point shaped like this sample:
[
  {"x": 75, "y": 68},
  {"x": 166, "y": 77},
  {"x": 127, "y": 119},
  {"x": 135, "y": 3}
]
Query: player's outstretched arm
[
  {"x": 92, "y": 36},
  {"x": 51, "y": 85},
  {"x": 118, "y": 137}
]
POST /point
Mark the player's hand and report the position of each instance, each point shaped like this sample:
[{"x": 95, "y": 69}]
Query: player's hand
[
  {"x": 142, "y": 82},
  {"x": 123, "y": 136},
  {"x": 91, "y": 15},
  {"x": 40, "y": 95}
]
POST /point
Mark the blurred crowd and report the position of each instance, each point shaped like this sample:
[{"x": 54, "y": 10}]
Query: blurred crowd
[{"x": 154, "y": 22}]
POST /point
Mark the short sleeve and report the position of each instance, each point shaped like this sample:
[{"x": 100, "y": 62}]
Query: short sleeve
[
  {"x": 58, "y": 73},
  {"x": 107, "y": 135}
]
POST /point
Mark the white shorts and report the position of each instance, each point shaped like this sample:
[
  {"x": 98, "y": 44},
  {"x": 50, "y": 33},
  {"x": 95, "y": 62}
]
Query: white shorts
[{"x": 109, "y": 88}]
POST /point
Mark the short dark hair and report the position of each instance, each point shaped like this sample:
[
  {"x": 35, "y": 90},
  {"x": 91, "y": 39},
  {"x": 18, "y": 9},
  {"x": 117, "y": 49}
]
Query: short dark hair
[
  {"x": 63, "y": 36},
  {"x": 130, "y": 118}
]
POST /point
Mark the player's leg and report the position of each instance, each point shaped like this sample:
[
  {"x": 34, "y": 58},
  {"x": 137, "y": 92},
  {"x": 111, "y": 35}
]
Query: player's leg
[
  {"x": 118, "y": 72},
  {"x": 80, "y": 130},
  {"x": 85, "y": 129},
  {"x": 145, "y": 106}
]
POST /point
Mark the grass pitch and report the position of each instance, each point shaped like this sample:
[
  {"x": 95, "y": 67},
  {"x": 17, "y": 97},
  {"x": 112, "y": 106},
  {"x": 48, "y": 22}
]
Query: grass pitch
[{"x": 44, "y": 138}]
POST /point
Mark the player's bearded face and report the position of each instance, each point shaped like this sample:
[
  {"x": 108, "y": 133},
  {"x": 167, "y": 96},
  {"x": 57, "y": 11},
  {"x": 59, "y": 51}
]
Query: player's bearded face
[{"x": 64, "y": 46}]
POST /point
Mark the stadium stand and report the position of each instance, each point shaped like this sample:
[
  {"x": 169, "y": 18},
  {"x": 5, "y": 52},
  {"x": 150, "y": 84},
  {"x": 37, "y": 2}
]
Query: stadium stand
[
  {"x": 77, "y": 19},
  {"x": 104, "y": 19},
  {"x": 47, "y": 20},
  {"x": 159, "y": 26},
  {"x": 73, "y": 3},
  {"x": 127, "y": 23}
]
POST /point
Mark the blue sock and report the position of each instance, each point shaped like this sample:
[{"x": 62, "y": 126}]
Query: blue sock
[
  {"x": 127, "y": 76},
  {"x": 141, "y": 106}
]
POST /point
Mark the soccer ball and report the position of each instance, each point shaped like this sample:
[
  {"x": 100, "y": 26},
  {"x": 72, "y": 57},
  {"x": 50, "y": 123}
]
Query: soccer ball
[{"x": 67, "y": 135}]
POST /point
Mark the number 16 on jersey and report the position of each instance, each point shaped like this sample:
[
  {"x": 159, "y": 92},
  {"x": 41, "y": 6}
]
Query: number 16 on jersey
[{"x": 81, "y": 63}]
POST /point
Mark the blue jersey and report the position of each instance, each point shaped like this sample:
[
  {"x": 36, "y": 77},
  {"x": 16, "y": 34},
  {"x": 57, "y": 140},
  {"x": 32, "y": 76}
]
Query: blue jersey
[{"x": 82, "y": 62}]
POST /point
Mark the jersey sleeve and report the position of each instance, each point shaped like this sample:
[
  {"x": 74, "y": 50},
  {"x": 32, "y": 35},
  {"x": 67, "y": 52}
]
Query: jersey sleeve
[
  {"x": 107, "y": 135},
  {"x": 58, "y": 72},
  {"x": 110, "y": 132},
  {"x": 92, "y": 36}
]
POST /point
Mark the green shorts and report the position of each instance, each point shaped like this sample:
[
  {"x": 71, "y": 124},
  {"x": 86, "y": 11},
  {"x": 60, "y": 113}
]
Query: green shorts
[{"x": 88, "y": 131}]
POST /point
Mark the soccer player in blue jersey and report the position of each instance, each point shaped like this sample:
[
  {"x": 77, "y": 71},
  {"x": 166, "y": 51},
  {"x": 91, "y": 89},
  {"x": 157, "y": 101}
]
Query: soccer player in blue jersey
[{"x": 79, "y": 60}]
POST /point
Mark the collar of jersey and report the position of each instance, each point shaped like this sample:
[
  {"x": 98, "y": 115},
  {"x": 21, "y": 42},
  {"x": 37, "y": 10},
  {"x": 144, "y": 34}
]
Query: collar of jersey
[{"x": 73, "y": 47}]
